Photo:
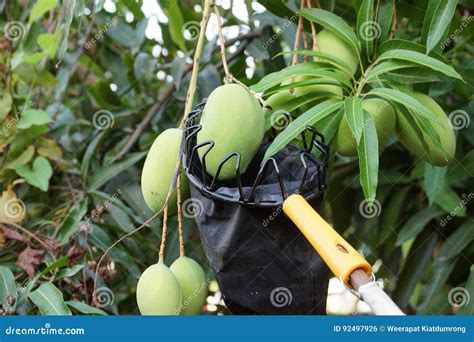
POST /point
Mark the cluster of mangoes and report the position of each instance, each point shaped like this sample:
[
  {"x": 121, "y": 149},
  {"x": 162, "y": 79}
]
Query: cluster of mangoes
[
  {"x": 179, "y": 289},
  {"x": 234, "y": 121},
  {"x": 388, "y": 121}
]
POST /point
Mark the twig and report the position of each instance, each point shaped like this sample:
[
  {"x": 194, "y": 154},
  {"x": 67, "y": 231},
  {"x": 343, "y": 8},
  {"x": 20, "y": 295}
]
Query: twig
[
  {"x": 163, "y": 233},
  {"x": 228, "y": 76},
  {"x": 313, "y": 32},
  {"x": 296, "y": 45},
  {"x": 180, "y": 217}
]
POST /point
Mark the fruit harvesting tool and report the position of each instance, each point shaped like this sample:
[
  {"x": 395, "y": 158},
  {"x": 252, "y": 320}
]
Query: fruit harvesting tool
[{"x": 343, "y": 260}]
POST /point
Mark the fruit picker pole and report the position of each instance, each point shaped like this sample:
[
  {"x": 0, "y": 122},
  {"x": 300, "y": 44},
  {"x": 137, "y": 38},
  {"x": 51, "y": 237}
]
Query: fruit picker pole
[{"x": 343, "y": 260}]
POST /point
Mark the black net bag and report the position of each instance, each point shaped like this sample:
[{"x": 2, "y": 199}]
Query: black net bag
[{"x": 262, "y": 262}]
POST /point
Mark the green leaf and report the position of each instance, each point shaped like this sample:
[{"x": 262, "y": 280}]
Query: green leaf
[
  {"x": 433, "y": 181},
  {"x": 7, "y": 285},
  {"x": 39, "y": 175},
  {"x": 107, "y": 172},
  {"x": 176, "y": 22},
  {"x": 310, "y": 117},
  {"x": 385, "y": 16},
  {"x": 441, "y": 271},
  {"x": 412, "y": 75},
  {"x": 72, "y": 221},
  {"x": 22, "y": 159},
  {"x": 69, "y": 7},
  {"x": 304, "y": 69},
  {"x": 48, "y": 42},
  {"x": 468, "y": 308},
  {"x": 335, "y": 24},
  {"x": 6, "y": 102},
  {"x": 89, "y": 153},
  {"x": 450, "y": 201},
  {"x": 49, "y": 299},
  {"x": 69, "y": 272},
  {"x": 367, "y": 28},
  {"x": 387, "y": 66},
  {"x": 417, "y": 222},
  {"x": 395, "y": 44},
  {"x": 354, "y": 116},
  {"x": 40, "y": 8},
  {"x": 404, "y": 99},
  {"x": 85, "y": 308},
  {"x": 33, "y": 117},
  {"x": 368, "y": 151},
  {"x": 420, "y": 59},
  {"x": 333, "y": 60},
  {"x": 437, "y": 20},
  {"x": 415, "y": 266},
  {"x": 456, "y": 242}
]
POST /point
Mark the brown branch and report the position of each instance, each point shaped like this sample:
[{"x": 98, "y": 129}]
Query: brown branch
[{"x": 247, "y": 38}]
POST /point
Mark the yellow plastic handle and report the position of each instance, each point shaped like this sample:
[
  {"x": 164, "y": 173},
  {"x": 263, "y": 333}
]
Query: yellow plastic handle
[{"x": 339, "y": 255}]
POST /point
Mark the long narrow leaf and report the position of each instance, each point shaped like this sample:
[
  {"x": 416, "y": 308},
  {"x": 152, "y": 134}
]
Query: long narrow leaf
[
  {"x": 310, "y": 117},
  {"x": 355, "y": 116},
  {"x": 420, "y": 59},
  {"x": 333, "y": 23},
  {"x": 368, "y": 151},
  {"x": 438, "y": 21}
]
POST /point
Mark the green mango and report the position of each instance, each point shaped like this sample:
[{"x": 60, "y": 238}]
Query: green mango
[
  {"x": 193, "y": 284},
  {"x": 158, "y": 291},
  {"x": 440, "y": 155},
  {"x": 331, "y": 44},
  {"x": 384, "y": 118},
  {"x": 234, "y": 120},
  {"x": 276, "y": 100},
  {"x": 159, "y": 171}
]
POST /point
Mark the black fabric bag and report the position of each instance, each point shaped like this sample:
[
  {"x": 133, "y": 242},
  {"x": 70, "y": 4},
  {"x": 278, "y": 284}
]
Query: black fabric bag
[{"x": 262, "y": 262}]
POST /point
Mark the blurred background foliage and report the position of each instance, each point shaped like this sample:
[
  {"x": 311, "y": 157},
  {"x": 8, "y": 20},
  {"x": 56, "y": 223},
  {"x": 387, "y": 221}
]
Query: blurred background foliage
[{"x": 85, "y": 88}]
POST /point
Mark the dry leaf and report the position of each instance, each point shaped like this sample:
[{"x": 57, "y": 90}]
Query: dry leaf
[{"x": 28, "y": 259}]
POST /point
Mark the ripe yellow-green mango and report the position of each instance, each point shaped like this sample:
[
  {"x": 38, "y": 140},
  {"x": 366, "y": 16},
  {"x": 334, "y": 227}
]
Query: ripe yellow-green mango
[
  {"x": 278, "y": 99},
  {"x": 158, "y": 291},
  {"x": 234, "y": 120},
  {"x": 159, "y": 170},
  {"x": 440, "y": 155},
  {"x": 384, "y": 119},
  {"x": 193, "y": 284},
  {"x": 329, "y": 43}
]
